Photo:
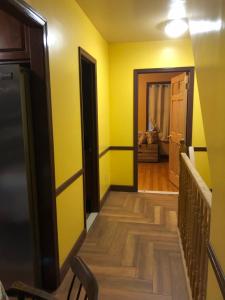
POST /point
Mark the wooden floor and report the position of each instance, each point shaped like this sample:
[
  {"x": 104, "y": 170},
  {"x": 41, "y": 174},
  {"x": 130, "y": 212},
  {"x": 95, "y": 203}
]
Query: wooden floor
[
  {"x": 154, "y": 177},
  {"x": 133, "y": 249}
]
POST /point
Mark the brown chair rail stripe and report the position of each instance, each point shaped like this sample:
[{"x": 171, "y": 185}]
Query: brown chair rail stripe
[
  {"x": 200, "y": 149},
  {"x": 217, "y": 269},
  {"x": 104, "y": 152},
  {"x": 122, "y": 148},
  {"x": 115, "y": 148},
  {"x": 68, "y": 182}
]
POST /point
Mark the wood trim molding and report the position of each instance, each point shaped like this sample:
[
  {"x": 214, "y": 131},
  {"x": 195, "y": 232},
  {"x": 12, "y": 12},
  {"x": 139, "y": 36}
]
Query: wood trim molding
[
  {"x": 157, "y": 82},
  {"x": 104, "y": 152},
  {"x": 68, "y": 182},
  {"x": 66, "y": 265},
  {"x": 200, "y": 149},
  {"x": 84, "y": 55},
  {"x": 147, "y": 105},
  {"x": 217, "y": 269},
  {"x": 104, "y": 198},
  {"x": 123, "y": 188},
  {"x": 74, "y": 177},
  {"x": 163, "y": 70},
  {"x": 87, "y": 56},
  {"x": 29, "y": 11},
  {"x": 114, "y": 148},
  {"x": 121, "y": 147}
]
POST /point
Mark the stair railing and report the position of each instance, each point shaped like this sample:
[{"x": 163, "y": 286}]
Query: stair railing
[{"x": 194, "y": 224}]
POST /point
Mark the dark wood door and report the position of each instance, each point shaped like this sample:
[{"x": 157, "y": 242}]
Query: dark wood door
[
  {"x": 14, "y": 41},
  {"x": 90, "y": 133}
]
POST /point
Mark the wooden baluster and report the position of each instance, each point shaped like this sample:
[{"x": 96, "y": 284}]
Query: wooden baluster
[
  {"x": 185, "y": 212},
  {"x": 194, "y": 223},
  {"x": 201, "y": 256},
  {"x": 188, "y": 224},
  {"x": 186, "y": 218},
  {"x": 191, "y": 265},
  {"x": 204, "y": 256},
  {"x": 199, "y": 249},
  {"x": 180, "y": 201},
  {"x": 195, "y": 238}
]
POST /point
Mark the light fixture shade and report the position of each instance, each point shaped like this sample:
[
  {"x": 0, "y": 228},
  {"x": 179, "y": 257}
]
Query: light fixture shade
[{"x": 176, "y": 28}]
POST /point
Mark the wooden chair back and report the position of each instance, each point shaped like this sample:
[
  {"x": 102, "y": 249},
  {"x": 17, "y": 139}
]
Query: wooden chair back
[
  {"x": 82, "y": 287},
  {"x": 86, "y": 279}
]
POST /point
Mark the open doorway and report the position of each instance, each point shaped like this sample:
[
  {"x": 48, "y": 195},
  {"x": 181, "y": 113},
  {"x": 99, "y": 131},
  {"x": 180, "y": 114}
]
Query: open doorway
[
  {"x": 89, "y": 122},
  {"x": 163, "y": 106}
]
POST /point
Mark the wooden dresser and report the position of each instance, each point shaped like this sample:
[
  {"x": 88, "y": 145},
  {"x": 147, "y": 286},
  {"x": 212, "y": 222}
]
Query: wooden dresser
[{"x": 148, "y": 153}]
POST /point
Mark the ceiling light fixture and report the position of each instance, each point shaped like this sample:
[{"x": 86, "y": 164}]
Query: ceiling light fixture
[
  {"x": 205, "y": 26},
  {"x": 176, "y": 28},
  {"x": 177, "y": 10}
]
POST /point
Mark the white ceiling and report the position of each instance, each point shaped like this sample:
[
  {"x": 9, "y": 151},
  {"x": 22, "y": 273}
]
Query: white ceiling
[{"x": 132, "y": 20}]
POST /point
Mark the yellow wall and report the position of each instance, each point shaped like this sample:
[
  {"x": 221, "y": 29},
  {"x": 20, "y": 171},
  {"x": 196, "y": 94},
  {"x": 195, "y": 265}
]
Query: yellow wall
[
  {"x": 70, "y": 217},
  {"x": 202, "y": 165},
  {"x": 124, "y": 58},
  {"x": 68, "y": 28},
  {"x": 198, "y": 140},
  {"x": 121, "y": 167},
  {"x": 209, "y": 49}
]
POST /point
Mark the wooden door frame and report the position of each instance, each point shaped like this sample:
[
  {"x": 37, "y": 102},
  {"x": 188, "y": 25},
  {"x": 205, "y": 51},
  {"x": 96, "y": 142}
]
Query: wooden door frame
[
  {"x": 82, "y": 54},
  {"x": 46, "y": 221},
  {"x": 188, "y": 141}
]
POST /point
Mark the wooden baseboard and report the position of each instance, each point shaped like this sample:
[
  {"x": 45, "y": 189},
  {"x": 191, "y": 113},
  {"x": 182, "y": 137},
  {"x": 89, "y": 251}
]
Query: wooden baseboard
[
  {"x": 123, "y": 188},
  {"x": 66, "y": 265},
  {"x": 118, "y": 188},
  {"x": 104, "y": 198}
]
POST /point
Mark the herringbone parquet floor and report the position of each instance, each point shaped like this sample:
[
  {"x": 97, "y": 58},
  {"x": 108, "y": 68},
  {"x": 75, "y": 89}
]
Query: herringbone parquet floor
[{"x": 133, "y": 248}]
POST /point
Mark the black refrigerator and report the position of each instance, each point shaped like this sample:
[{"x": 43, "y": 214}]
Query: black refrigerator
[{"x": 18, "y": 247}]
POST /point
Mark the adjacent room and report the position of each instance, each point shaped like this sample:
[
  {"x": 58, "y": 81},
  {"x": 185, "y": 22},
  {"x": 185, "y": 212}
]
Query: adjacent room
[{"x": 157, "y": 156}]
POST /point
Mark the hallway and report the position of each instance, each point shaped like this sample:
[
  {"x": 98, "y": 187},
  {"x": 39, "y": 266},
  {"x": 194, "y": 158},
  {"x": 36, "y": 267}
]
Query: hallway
[
  {"x": 155, "y": 177},
  {"x": 133, "y": 248}
]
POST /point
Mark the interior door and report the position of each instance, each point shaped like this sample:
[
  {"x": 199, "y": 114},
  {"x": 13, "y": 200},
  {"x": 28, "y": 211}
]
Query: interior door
[
  {"x": 90, "y": 134},
  {"x": 178, "y": 111}
]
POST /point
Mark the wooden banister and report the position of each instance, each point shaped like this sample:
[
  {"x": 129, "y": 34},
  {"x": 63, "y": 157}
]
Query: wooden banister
[
  {"x": 202, "y": 187},
  {"x": 194, "y": 223},
  {"x": 191, "y": 153}
]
